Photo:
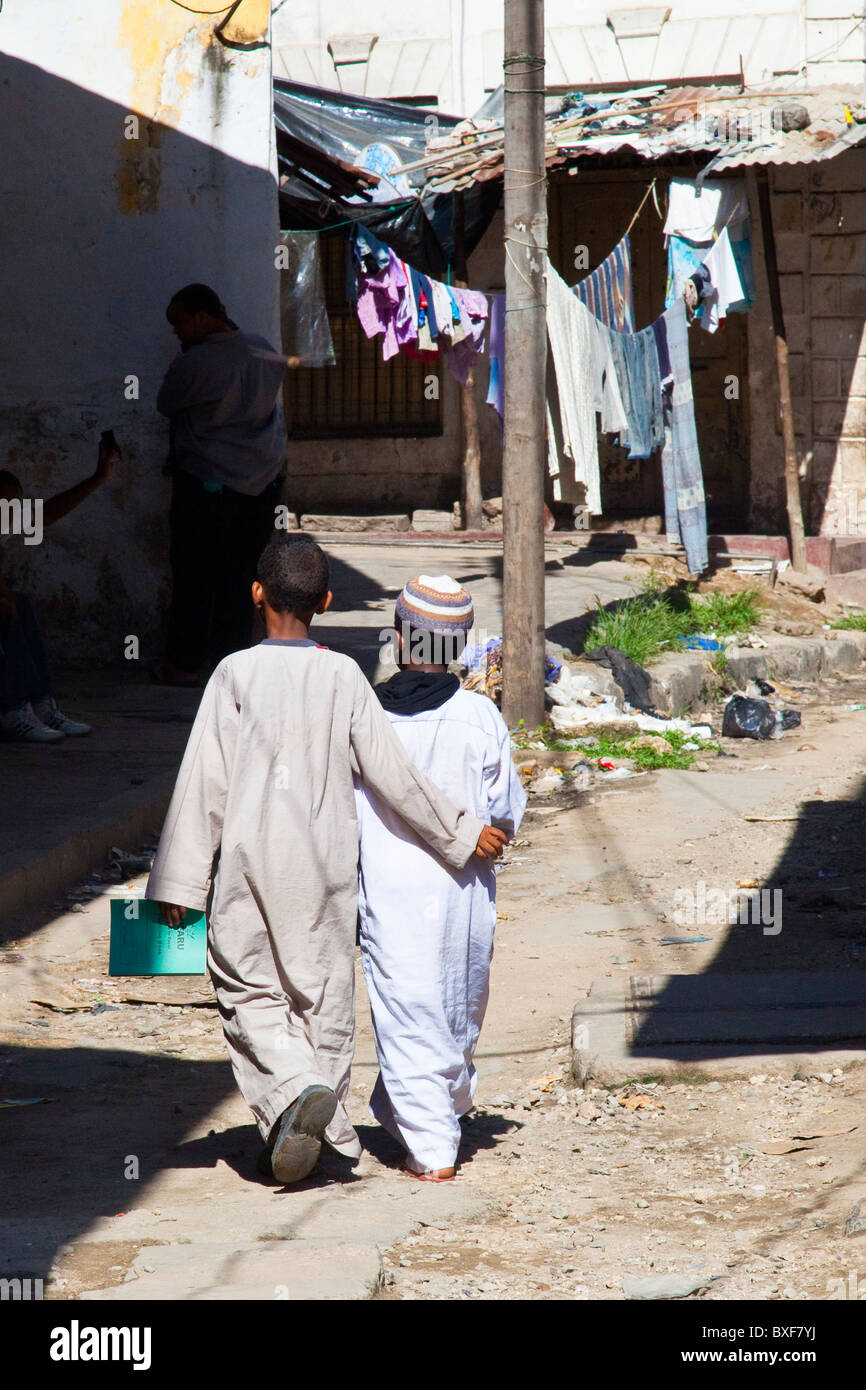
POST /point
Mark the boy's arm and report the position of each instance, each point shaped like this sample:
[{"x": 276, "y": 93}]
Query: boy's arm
[
  {"x": 62, "y": 503},
  {"x": 191, "y": 835},
  {"x": 386, "y": 768}
]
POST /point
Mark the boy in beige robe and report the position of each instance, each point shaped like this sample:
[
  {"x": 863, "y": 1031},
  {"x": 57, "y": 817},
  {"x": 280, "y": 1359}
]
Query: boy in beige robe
[{"x": 262, "y": 832}]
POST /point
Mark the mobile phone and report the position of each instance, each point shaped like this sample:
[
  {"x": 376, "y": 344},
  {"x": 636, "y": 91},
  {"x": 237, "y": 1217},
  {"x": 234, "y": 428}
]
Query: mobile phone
[{"x": 108, "y": 440}]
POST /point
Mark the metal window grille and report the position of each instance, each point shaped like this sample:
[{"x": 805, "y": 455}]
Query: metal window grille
[{"x": 360, "y": 395}]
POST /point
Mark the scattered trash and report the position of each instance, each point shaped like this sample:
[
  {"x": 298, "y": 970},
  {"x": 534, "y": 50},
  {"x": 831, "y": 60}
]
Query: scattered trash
[
  {"x": 105, "y": 1008},
  {"x": 128, "y": 862},
  {"x": 683, "y": 940},
  {"x": 633, "y": 680},
  {"x": 639, "y": 1102},
  {"x": 747, "y": 718},
  {"x": 545, "y": 1083},
  {"x": 856, "y": 1224},
  {"x": 6, "y": 1104},
  {"x": 665, "y": 1285},
  {"x": 699, "y": 642}
]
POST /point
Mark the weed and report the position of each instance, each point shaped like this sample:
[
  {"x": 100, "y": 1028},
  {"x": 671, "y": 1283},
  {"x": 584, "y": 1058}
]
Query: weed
[
  {"x": 855, "y": 621},
  {"x": 726, "y": 614},
  {"x": 642, "y": 626}
]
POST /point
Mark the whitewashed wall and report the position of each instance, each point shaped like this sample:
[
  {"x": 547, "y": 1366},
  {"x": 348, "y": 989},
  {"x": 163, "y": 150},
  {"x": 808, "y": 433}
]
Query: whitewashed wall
[{"x": 97, "y": 232}]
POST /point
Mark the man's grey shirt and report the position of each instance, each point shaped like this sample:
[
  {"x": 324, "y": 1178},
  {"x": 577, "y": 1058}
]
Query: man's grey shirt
[{"x": 221, "y": 396}]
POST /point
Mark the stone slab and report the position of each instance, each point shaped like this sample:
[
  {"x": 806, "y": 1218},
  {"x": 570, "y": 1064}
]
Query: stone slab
[
  {"x": 276, "y": 1270},
  {"x": 312, "y": 521}
]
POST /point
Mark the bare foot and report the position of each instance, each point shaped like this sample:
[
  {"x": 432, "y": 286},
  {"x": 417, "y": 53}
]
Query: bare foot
[{"x": 432, "y": 1174}]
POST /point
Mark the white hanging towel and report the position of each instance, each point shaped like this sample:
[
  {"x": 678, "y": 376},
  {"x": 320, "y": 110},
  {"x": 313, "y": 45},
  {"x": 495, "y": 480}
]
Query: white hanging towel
[
  {"x": 725, "y": 279},
  {"x": 699, "y": 216},
  {"x": 574, "y": 349}
]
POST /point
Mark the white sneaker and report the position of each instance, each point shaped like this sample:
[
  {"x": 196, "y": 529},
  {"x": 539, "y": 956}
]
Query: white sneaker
[
  {"x": 21, "y": 725},
  {"x": 53, "y": 718}
]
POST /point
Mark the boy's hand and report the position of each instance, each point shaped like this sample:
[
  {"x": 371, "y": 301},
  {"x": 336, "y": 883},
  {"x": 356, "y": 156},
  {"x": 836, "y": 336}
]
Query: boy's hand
[
  {"x": 490, "y": 843},
  {"x": 107, "y": 460},
  {"x": 172, "y": 914}
]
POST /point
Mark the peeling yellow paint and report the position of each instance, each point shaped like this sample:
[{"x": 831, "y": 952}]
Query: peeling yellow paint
[{"x": 248, "y": 23}]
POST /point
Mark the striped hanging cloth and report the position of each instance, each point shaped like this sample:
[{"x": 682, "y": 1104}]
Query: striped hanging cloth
[{"x": 607, "y": 292}]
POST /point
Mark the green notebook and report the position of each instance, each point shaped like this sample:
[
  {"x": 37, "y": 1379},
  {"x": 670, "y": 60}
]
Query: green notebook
[{"x": 142, "y": 945}]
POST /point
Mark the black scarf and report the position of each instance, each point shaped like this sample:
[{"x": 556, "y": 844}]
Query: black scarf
[{"x": 409, "y": 692}]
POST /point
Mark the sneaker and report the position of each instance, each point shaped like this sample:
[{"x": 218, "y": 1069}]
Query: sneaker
[
  {"x": 21, "y": 725},
  {"x": 53, "y": 718},
  {"x": 299, "y": 1130}
]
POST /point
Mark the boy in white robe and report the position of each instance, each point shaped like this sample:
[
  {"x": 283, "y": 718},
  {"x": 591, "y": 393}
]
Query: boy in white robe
[
  {"x": 426, "y": 927},
  {"x": 261, "y": 830}
]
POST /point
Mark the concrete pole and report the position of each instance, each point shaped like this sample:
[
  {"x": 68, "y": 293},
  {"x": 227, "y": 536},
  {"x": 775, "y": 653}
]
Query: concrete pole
[
  {"x": 796, "y": 530},
  {"x": 525, "y": 366}
]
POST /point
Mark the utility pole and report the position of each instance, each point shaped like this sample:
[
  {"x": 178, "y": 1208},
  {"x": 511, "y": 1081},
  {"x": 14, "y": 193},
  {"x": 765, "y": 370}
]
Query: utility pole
[
  {"x": 796, "y": 530},
  {"x": 525, "y": 366}
]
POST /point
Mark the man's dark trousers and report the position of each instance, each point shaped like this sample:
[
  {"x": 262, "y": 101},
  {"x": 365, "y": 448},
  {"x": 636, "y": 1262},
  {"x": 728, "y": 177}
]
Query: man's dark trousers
[{"x": 216, "y": 540}]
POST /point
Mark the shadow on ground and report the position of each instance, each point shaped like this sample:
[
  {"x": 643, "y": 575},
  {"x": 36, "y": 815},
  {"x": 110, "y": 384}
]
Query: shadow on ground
[{"x": 807, "y": 916}]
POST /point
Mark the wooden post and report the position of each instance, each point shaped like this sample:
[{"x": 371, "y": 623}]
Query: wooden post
[
  {"x": 525, "y": 366},
  {"x": 796, "y": 529},
  {"x": 470, "y": 473}
]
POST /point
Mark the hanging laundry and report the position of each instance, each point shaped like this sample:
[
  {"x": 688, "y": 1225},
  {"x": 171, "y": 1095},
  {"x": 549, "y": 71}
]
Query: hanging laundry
[
  {"x": 474, "y": 311},
  {"x": 607, "y": 291},
  {"x": 695, "y": 219},
  {"x": 306, "y": 332},
  {"x": 700, "y": 215},
  {"x": 608, "y": 397},
  {"x": 726, "y": 289},
  {"x": 635, "y": 358},
  {"x": 384, "y": 303},
  {"x": 682, "y": 480},
  {"x": 572, "y": 429},
  {"x": 496, "y": 387}
]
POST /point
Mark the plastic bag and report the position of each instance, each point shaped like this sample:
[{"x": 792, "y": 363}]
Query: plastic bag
[
  {"x": 744, "y": 718},
  {"x": 304, "y": 323}
]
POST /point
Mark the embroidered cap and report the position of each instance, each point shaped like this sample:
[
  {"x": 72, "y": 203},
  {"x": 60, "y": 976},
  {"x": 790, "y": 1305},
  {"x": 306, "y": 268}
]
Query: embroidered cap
[{"x": 435, "y": 603}]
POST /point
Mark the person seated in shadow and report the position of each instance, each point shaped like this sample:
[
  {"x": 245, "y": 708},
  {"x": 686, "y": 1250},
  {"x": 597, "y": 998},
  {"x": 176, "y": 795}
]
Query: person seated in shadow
[{"x": 28, "y": 710}]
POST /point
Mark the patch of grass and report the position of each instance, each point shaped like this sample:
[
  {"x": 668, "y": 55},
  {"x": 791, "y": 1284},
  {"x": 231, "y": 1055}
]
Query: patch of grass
[
  {"x": 727, "y": 614},
  {"x": 719, "y": 663},
  {"x": 851, "y": 621},
  {"x": 642, "y": 626}
]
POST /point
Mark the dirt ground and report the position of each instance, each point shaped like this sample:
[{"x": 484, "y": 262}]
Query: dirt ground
[{"x": 576, "y": 1189}]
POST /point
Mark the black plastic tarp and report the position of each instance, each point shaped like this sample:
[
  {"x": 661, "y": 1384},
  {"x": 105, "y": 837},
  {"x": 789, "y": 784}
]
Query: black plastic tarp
[{"x": 376, "y": 136}]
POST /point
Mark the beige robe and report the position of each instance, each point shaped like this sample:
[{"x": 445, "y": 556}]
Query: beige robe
[{"x": 266, "y": 784}]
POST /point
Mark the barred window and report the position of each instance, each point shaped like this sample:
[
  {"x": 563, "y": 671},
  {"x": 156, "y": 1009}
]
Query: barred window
[{"x": 360, "y": 394}]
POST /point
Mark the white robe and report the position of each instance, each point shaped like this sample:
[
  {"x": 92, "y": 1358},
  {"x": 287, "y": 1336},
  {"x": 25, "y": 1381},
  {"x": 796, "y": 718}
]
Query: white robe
[
  {"x": 266, "y": 784},
  {"x": 427, "y": 930}
]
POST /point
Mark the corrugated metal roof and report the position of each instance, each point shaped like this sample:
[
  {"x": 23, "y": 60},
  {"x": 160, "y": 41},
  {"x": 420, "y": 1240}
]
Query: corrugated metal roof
[{"x": 734, "y": 127}]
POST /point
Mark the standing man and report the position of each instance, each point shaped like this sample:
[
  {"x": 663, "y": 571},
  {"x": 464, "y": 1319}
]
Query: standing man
[{"x": 227, "y": 457}]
